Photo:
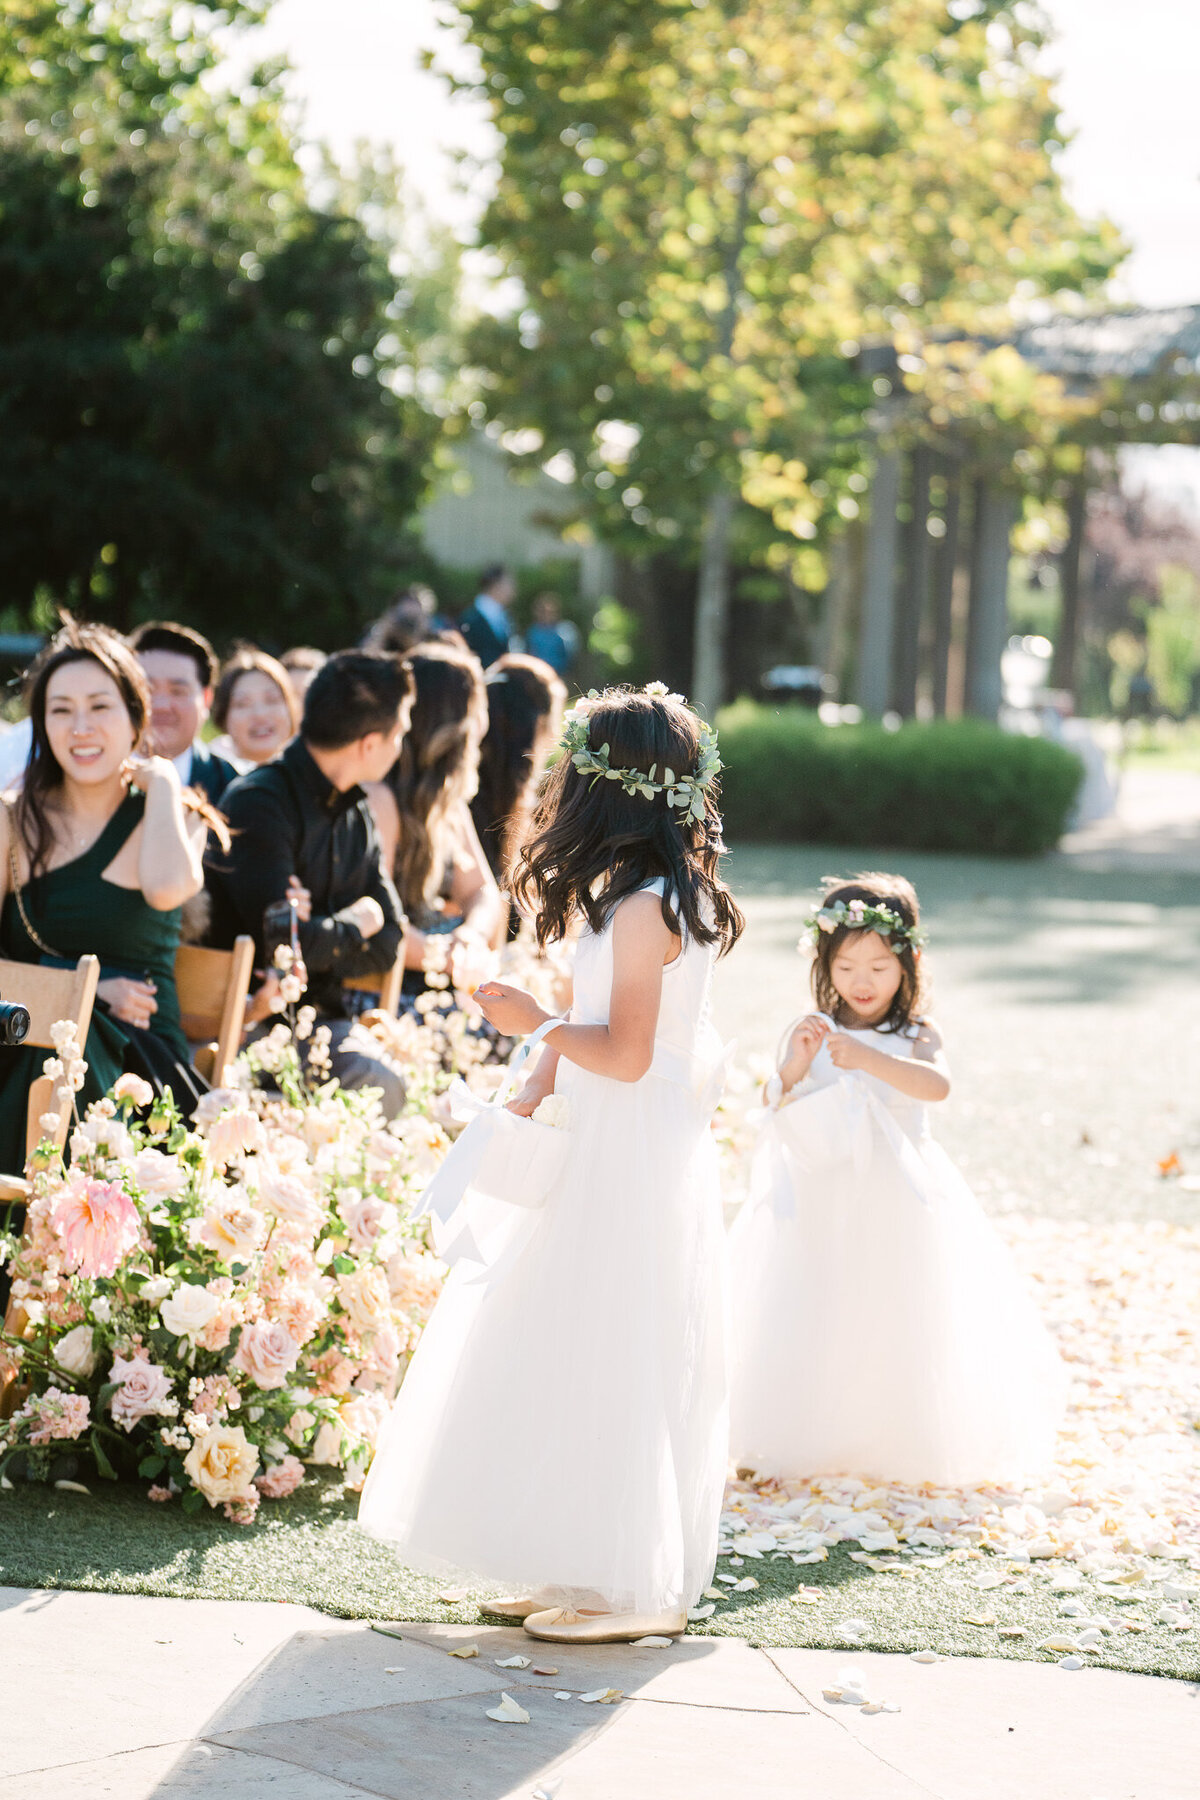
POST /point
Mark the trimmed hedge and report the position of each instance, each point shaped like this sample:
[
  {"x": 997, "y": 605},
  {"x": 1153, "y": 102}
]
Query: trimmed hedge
[{"x": 956, "y": 784}]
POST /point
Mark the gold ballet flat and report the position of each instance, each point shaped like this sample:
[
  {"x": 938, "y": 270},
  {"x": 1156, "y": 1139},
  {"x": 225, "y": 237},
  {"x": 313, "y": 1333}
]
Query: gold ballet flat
[
  {"x": 510, "y": 1606},
  {"x": 560, "y": 1625}
]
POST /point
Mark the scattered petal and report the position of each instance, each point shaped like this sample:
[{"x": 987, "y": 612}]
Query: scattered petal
[
  {"x": 1058, "y": 1642},
  {"x": 744, "y": 1585},
  {"x": 924, "y": 1656},
  {"x": 393, "y": 1671},
  {"x": 652, "y": 1643},
  {"x": 602, "y": 1697},
  {"x": 564, "y": 1695},
  {"x": 1070, "y": 1662},
  {"x": 451, "y": 1596},
  {"x": 701, "y": 1612},
  {"x": 980, "y": 1619},
  {"x": 1012, "y": 1631},
  {"x": 508, "y": 1712},
  {"x": 513, "y": 1662},
  {"x": 72, "y": 1487},
  {"x": 465, "y": 1651},
  {"x": 543, "y": 1669}
]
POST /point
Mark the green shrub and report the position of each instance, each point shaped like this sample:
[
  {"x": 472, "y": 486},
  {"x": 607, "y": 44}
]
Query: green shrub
[{"x": 957, "y": 784}]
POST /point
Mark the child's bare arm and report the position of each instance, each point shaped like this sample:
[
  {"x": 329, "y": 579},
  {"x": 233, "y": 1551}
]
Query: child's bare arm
[{"x": 925, "y": 1077}]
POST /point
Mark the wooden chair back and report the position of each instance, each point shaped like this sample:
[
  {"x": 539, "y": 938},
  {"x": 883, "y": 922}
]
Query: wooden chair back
[
  {"x": 212, "y": 987},
  {"x": 387, "y": 986},
  {"x": 50, "y": 995}
]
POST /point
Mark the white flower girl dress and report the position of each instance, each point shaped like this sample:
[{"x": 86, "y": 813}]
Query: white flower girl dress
[
  {"x": 880, "y": 1325},
  {"x": 563, "y": 1428}
]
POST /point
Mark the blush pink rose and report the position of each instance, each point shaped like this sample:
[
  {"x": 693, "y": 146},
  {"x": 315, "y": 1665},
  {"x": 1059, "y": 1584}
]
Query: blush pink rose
[
  {"x": 96, "y": 1223},
  {"x": 287, "y": 1195},
  {"x": 368, "y": 1221},
  {"x": 300, "y": 1310},
  {"x": 281, "y": 1479},
  {"x": 216, "y": 1334},
  {"x": 236, "y": 1133},
  {"x": 267, "y": 1352},
  {"x": 144, "y": 1389}
]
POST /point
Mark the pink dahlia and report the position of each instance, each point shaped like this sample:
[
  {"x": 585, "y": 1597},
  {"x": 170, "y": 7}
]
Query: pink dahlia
[{"x": 96, "y": 1223}]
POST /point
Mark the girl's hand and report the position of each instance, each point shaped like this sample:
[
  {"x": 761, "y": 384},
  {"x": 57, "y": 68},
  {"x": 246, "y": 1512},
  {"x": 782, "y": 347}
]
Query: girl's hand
[
  {"x": 803, "y": 1045},
  {"x": 131, "y": 1001},
  {"x": 511, "y": 1010},
  {"x": 847, "y": 1053},
  {"x": 526, "y": 1103}
]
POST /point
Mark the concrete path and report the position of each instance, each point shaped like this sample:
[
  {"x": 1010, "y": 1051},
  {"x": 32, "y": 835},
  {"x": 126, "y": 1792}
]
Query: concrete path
[{"x": 148, "y": 1699}]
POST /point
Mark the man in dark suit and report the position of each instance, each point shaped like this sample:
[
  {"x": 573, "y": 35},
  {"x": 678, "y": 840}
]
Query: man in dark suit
[
  {"x": 181, "y": 668},
  {"x": 485, "y": 624}
]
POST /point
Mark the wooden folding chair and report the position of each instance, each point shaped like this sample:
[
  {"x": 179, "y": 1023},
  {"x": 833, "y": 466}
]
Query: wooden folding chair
[
  {"x": 387, "y": 985},
  {"x": 212, "y": 987},
  {"x": 50, "y": 995}
]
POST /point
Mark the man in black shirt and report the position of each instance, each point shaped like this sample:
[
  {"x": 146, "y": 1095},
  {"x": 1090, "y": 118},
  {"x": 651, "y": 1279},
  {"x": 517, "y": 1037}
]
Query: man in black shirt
[{"x": 302, "y": 828}]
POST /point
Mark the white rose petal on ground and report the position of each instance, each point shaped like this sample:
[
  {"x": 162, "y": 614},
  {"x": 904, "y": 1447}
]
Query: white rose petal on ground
[
  {"x": 513, "y": 1662},
  {"x": 465, "y": 1650},
  {"x": 508, "y": 1712},
  {"x": 652, "y": 1643},
  {"x": 603, "y": 1696},
  {"x": 696, "y": 1613},
  {"x": 924, "y": 1656}
]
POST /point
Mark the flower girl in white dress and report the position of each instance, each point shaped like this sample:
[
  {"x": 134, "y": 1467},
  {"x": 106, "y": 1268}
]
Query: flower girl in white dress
[
  {"x": 881, "y": 1328},
  {"x": 563, "y": 1428}
]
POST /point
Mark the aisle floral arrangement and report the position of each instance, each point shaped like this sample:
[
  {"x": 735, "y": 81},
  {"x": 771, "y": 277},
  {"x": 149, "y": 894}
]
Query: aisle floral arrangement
[{"x": 216, "y": 1307}]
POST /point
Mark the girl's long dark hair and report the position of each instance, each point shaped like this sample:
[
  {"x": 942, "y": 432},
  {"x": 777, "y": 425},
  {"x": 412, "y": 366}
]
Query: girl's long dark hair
[
  {"x": 431, "y": 776},
  {"x": 525, "y": 701},
  {"x": 593, "y": 844},
  {"x": 877, "y": 889},
  {"x": 78, "y": 642}
]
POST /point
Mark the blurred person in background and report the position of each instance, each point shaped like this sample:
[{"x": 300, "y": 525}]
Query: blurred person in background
[
  {"x": 423, "y": 814},
  {"x": 302, "y": 664},
  {"x": 525, "y": 700},
  {"x": 103, "y": 848},
  {"x": 180, "y": 669},
  {"x": 550, "y": 637},
  {"x": 254, "y": 708},
  {"x": 410, "y": 620},
  {"x": 485, "y": 626},
  {"x": 304, "y": 841}
]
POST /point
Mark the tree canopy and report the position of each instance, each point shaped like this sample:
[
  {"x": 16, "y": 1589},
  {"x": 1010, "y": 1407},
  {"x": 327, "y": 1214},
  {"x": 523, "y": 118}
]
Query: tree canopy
[
  {"x": 208, "y": 404},
  {"x": 710, "y": 205}
]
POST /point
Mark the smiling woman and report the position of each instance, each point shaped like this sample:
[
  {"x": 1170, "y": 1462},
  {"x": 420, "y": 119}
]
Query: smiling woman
[{"x": 100, "y": 851}]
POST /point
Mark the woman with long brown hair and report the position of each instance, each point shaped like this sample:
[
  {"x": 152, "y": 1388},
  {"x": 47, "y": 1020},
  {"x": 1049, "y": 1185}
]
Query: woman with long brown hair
[
  {"x": 423, "y": 814},
  {"x": 254, "y": 707},
  {"x": 525, "y": 700},
  {"x": 101, "y": 849}
]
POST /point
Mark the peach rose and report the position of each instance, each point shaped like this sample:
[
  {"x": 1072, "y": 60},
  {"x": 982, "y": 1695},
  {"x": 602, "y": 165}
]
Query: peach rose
[
  {"x": 267, "y": 1352},
  {"x": 216, "y": 1334},
  {"x": 281, "y": 1479},
  {"x": 288, "y": 1195},
  {"x": 222, "y": 1464},
  {"x": 131, "y": 1087},
  {"x": 368, "y": 1221},
  {"x": 300, "y": 1310},
  {"x": 235, "y": 1133}
]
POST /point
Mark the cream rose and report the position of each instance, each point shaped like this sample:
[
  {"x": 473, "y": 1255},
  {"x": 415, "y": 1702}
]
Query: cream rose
[
  {"x": 232, "y": 1227},
  {"x": 364, "y": 1297},
  {"x": 553, "y": 1110},
  {"x": 267, "y": 1352},
  {"x": 159, "y": 1176},
  {"x": 222, "y": 1464},
  {"x": 235, "y": 1133},
  {"x": 288, "y": 1195},
  {"x": 188, "y": 1310},
  {"x": 76, "y": 1352}
]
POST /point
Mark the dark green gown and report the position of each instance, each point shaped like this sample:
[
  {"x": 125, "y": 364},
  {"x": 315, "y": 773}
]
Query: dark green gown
[{"x": 77, "y": 913}]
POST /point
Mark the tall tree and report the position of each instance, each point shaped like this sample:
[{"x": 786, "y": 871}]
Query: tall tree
[
  {"x": 710, "y": 205},
  {"x": 206, "y": 393}
]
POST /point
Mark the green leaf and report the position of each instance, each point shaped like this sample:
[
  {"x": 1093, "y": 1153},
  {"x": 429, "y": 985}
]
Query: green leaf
[
  {"x": 194, "y": 1502},
  {"x": 103, "y": 1465},
  {"x": 150, "y": 1466},
  {"x": 344, "y": 1265}
]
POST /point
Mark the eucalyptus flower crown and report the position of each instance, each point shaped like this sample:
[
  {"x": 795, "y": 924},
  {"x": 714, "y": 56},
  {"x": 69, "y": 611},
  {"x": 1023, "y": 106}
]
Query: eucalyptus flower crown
[
  {"x": 684, "y": 791},
  {"x": 864, "y": 915}
]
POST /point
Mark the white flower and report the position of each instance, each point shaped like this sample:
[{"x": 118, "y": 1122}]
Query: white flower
[
  {"x": 327, "y": 1446},
  {"x": 553, "y": 1110},
  {"x": 156, "y": 1289},
  {"x": 76, "y": 1352},
  {"x": 101, "y": 1309},
  {"x": 158, "y": 1175},
  {"x": 188, "y": 1310}
]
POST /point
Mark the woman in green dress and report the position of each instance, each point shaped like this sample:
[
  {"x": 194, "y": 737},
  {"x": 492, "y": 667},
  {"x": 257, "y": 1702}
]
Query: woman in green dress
[{"x": 102, "y": 847}]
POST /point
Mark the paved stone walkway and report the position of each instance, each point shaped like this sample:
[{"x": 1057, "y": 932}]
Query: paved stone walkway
[{"x": 146, "y": 1699}]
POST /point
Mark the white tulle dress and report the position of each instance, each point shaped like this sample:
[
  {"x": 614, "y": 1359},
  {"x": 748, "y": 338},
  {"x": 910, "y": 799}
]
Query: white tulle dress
[
  {"x": 880, "y": 1325},
  {"x": 563, "y": 1428}
]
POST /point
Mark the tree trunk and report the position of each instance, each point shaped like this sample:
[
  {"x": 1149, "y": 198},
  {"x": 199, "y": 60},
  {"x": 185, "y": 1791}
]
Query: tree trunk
[
  {"x": 712, "y": 602},
  {"x": 1064, "y": 669}
]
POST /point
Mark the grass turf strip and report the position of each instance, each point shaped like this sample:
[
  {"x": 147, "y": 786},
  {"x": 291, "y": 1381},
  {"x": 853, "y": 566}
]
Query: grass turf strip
[{"x": 308, "y": 1550}]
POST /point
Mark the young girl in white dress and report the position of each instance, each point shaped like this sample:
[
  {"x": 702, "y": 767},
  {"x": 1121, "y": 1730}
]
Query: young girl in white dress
[
  {"x": 881, "y": 1328},
  {"x": 563, "y": 1428}
]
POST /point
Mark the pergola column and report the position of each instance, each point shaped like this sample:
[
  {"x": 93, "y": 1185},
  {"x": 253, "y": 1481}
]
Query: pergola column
[
  {"x": 945, "y": 569},
  {"x": 1064, "y": 669},
  {"x": 878, "y": 626},
  {"x": 914, "y": 586},
  {"x": 987, "y": 621}
]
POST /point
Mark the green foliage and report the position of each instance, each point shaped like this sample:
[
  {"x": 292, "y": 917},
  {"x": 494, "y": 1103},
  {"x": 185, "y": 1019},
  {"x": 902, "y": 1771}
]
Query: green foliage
[
  {"x": 958, "y": 785},
  {"x": 711, "y": 205},
  {"x": 1173, "y": 640},
  {"x": 208, "y": 400}
]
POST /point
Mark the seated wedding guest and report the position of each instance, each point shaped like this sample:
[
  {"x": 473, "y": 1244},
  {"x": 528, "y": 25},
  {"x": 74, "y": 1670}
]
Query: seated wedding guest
[
  {"x": 423, "y": 814},
  {"x": 180, "y": 668},
  {"x": 302, "y": 664},
  {"x": 255, "y": 708},
  {"x": 102, "y": 849},
  {"x": 525, "y": 701},
  {"x": 551, "y": 637},
  {"x": 301, "y": 826}
]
